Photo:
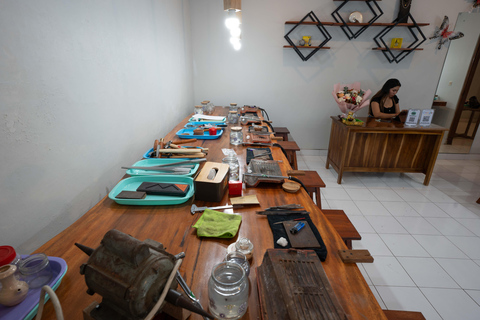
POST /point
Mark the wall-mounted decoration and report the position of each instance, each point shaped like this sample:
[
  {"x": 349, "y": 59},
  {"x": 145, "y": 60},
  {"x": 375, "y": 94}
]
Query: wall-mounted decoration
[
  {"x": 306, "y": 41},
  {"x": 345, "y": 27},
  {"x": 388, "y": 52},
  {"x": 315, "y": 21},
  {"x": 404, "y": 10},
  {"x": 445, "y": 35},
  {"x": 355, "y": 17}
]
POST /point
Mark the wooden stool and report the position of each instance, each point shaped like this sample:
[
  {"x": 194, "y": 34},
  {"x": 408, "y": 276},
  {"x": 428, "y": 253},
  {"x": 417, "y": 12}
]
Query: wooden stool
[
  {"x": 291, "y": 148},
  {"x": 281, "y": 132},
  {"x": 403, "y": 315},
  {"x": 343, "y": 226},
  {"x": 313, "y": 182}
]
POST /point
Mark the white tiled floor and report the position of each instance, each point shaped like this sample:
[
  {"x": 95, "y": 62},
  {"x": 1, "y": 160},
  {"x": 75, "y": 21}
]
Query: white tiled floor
[{"x": 425, "y": 239}]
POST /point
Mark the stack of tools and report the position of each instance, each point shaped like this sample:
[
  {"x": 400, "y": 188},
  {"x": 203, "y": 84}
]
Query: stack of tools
[
  {"x": 172, "y": 149},
  {"x": 262, "y": 171}
]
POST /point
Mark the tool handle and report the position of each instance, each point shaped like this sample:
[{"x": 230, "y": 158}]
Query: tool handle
[{"x": 184, "y": 141}]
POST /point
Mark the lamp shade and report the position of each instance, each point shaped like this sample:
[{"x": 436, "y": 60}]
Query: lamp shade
[{"x": 232, "y": 5}]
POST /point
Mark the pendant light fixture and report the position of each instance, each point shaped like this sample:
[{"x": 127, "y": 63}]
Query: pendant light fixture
[{"x": 232, "y": 22}]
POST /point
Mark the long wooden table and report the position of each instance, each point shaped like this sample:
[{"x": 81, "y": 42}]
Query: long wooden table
[
  {"x": 172, "y": 226},
  {"x": 383, "y": 146}
]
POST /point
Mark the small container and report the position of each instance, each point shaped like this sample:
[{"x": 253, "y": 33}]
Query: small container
[
  {"x": 244, "y": 120},
  {"x": 228, "y": 291},
  {"x": 235, "y": 188},
  {"x": 212, "y": 131},
  {"x": 240, "y": 259},
  {"x": 210, "y": 107},
  {"x": 233, "y": 107},
  {"x": 35, "y": 270},
  {"x": 234, "y": 172},
  {"x": 236, "y": 136},
  {"x": 198, "y": 110},
  {"x": 244, "y": 246},
  {"x": 205, "y": 107},
  {"x": 233, "y": 117},
  {"x": 8, "y": 255}
]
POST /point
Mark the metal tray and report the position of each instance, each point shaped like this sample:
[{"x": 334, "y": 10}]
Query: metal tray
[
  {"x": 188, "y": 134},
  {"x": 27, "y": 309},
  {"x": 159, "y": 161},
  {"x": 132, "y": 183}
]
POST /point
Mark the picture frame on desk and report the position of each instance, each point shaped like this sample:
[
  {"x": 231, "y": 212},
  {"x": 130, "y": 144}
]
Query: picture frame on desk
[
  {"x": 412, "y": 117},
  {"x": 426, "y": 117}
]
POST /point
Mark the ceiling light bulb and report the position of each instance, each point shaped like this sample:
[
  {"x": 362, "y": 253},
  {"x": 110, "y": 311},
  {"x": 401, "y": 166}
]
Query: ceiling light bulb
[
  {"x": 235, "y": 32},
  {"x": 234, "y": 41},
  {"x": 237, "y": 46},
  {"x": 232, "y": 21}
]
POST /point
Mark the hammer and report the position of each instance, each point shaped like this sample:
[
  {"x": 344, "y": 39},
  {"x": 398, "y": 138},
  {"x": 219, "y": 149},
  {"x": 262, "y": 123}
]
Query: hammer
[{"x": 195, "y": 209}]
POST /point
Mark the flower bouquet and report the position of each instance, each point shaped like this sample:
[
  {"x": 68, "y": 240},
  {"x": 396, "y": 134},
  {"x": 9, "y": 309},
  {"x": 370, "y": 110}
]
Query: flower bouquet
[{"x": 350, "y": 98}]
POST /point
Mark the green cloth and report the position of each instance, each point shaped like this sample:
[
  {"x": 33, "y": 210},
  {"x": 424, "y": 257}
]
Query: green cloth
[{"x": 218, "y": 224}]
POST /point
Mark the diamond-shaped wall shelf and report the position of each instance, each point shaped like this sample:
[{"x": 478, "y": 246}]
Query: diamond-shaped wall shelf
[
  {"x": 388, "y": 52},
  {"x": 346, "y": 29},
  {"x": 319, "y": 26}
]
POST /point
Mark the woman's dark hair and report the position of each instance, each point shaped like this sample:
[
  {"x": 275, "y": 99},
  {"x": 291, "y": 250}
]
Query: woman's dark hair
[{"x": 383, "y": 94}]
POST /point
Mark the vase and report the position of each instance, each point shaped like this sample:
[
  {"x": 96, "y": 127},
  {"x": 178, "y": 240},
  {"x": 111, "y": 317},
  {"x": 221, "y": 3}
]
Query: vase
[{"x": 13, "y": 291}]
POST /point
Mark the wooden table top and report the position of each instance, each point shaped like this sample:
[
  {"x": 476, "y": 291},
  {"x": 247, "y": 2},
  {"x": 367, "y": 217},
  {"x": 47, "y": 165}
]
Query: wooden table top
[
  {"x": 172, "y": 226},
  {"x": 371, "y": 123}
]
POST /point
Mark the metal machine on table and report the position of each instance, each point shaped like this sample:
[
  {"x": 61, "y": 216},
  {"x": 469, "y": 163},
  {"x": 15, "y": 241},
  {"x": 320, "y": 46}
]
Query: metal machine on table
[{"x": 136, "y": 279}]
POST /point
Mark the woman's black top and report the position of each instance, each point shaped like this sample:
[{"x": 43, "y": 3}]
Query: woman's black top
[{"x": 390, "y": 110}]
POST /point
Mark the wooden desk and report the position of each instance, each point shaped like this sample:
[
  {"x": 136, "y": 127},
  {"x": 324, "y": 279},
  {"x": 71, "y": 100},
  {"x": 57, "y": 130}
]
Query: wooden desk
[
  {"x": 172, "y": 226},
  {"x": 383, "y": 147}
]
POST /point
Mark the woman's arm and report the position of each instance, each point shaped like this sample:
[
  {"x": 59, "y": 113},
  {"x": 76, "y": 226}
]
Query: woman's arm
[{"x": 377, "y": 114}]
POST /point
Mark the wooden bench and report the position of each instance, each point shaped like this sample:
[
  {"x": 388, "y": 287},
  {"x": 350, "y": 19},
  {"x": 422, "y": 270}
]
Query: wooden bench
[
  {"x": 403, "y": 315},
  {"x": 281, "y": 132},
  {"x": 291, "y": 148},
  {"x": 313, "y": 182},
  {"x": 343, "y": 225}
]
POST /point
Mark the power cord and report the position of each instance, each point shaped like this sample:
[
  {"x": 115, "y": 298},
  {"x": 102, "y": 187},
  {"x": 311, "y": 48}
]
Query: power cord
[{"x": 55, "y": 301}]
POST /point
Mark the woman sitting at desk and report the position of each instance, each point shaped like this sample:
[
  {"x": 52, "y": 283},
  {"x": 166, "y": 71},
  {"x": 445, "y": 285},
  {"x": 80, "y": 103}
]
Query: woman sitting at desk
[{"x": 384, "y": 104}]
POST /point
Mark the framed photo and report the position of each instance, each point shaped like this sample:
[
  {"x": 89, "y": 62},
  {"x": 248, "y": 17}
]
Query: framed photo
[{"x": 396, "y": 43}]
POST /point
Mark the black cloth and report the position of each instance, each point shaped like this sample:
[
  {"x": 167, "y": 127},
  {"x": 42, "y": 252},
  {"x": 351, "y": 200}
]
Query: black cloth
[
  {"x": 390, "y": 110},
  {"x": 279, "y": 231}
]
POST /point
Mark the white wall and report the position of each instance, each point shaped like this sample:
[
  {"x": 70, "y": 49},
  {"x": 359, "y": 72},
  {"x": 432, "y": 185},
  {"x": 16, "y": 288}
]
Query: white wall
[
  {"x": 297, "y": 94},
  {"x": 85, "y": 87}
]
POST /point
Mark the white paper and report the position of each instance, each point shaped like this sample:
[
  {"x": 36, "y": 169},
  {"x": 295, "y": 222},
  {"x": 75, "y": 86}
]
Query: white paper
[
  {"x": 426, "y": 117},
  {"x": 207, "y": 117},
  {"x": 412, "y": 117}
]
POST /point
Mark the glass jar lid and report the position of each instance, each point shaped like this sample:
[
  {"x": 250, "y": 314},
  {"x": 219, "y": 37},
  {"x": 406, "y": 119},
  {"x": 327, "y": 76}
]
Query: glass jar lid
[
  {"x": 233, "y": 104},
  {"x": 198, "y": 107},
  {"x": 236, "y": 129},
  {"x": 233, "y": 111},
  {"x": 33, "y": 264},
  {"x": 244, "y": 246}
]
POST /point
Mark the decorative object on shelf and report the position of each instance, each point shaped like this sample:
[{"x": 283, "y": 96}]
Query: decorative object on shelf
[
  {"x": 351, "y": 120},
  {"x": 346, "y": 29},
  {"x": 319, "y": 26},
  {"x": 350, "y": 97},
  {"x": 387, "y": 52},
  {"x": 404, "y": 11},
  {"x": 396, "y": 43},
  {"x": 445, "y": 35},
  {"x": 355, "y": 17},
  {"x": 305, "y": 41}
]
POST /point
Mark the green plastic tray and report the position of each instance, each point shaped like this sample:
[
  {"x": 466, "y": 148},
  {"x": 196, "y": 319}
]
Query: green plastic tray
[{"x": 132, "y": 183}]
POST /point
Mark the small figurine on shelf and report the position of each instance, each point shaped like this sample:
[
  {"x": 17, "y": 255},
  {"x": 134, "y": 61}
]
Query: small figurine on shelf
[{"x": 305, "y": 41}]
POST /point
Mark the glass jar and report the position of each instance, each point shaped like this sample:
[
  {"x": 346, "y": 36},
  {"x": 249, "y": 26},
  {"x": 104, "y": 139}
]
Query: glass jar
[
  {"x": 205, "y": 107},
  {"x": 210, "y": 106},
  {"x": 244, "y": 246},
  {"x": 198, "y": 110},
  {"x": 240, "y": 259},
  {"x": 8, "y": 255},
  {"x": 35, "y": 270},
  {"x": 236, "y": 136},
  {"x": 233, "y": 117},
  {"x": 228, "y": 291},
  {"x": 232, "y": 161},
  {"x": 233, "y": 107}
]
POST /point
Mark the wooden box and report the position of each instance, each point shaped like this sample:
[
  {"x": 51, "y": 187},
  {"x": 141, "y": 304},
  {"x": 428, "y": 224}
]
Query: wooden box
[{"x": 208, "y": 188}]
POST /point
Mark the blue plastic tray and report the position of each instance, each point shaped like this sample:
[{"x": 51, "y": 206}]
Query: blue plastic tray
[
  {"x": 132, "y": 183},
  {"x": 202, "y": 123},
  {"x": 28, "y": 308},
  {"x": 156, "y": 162},
  {"x": 188, "y": 134}
]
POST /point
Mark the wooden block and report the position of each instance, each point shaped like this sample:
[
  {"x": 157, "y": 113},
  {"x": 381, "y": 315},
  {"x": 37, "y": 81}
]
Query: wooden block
[
  {"x": 355, "y": 256},
  {"x": 304, "y": 238},
  {"x": 403, "y": 315},
  {"x": 295, "y": 173}
]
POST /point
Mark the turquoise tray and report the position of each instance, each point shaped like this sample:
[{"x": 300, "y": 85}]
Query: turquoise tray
[
  {"x": 188, "y": 134},
  {"x": 155, "y": 162},
  {"x": 132, "y": 183},
  {"x": 202, "y": 123}
]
